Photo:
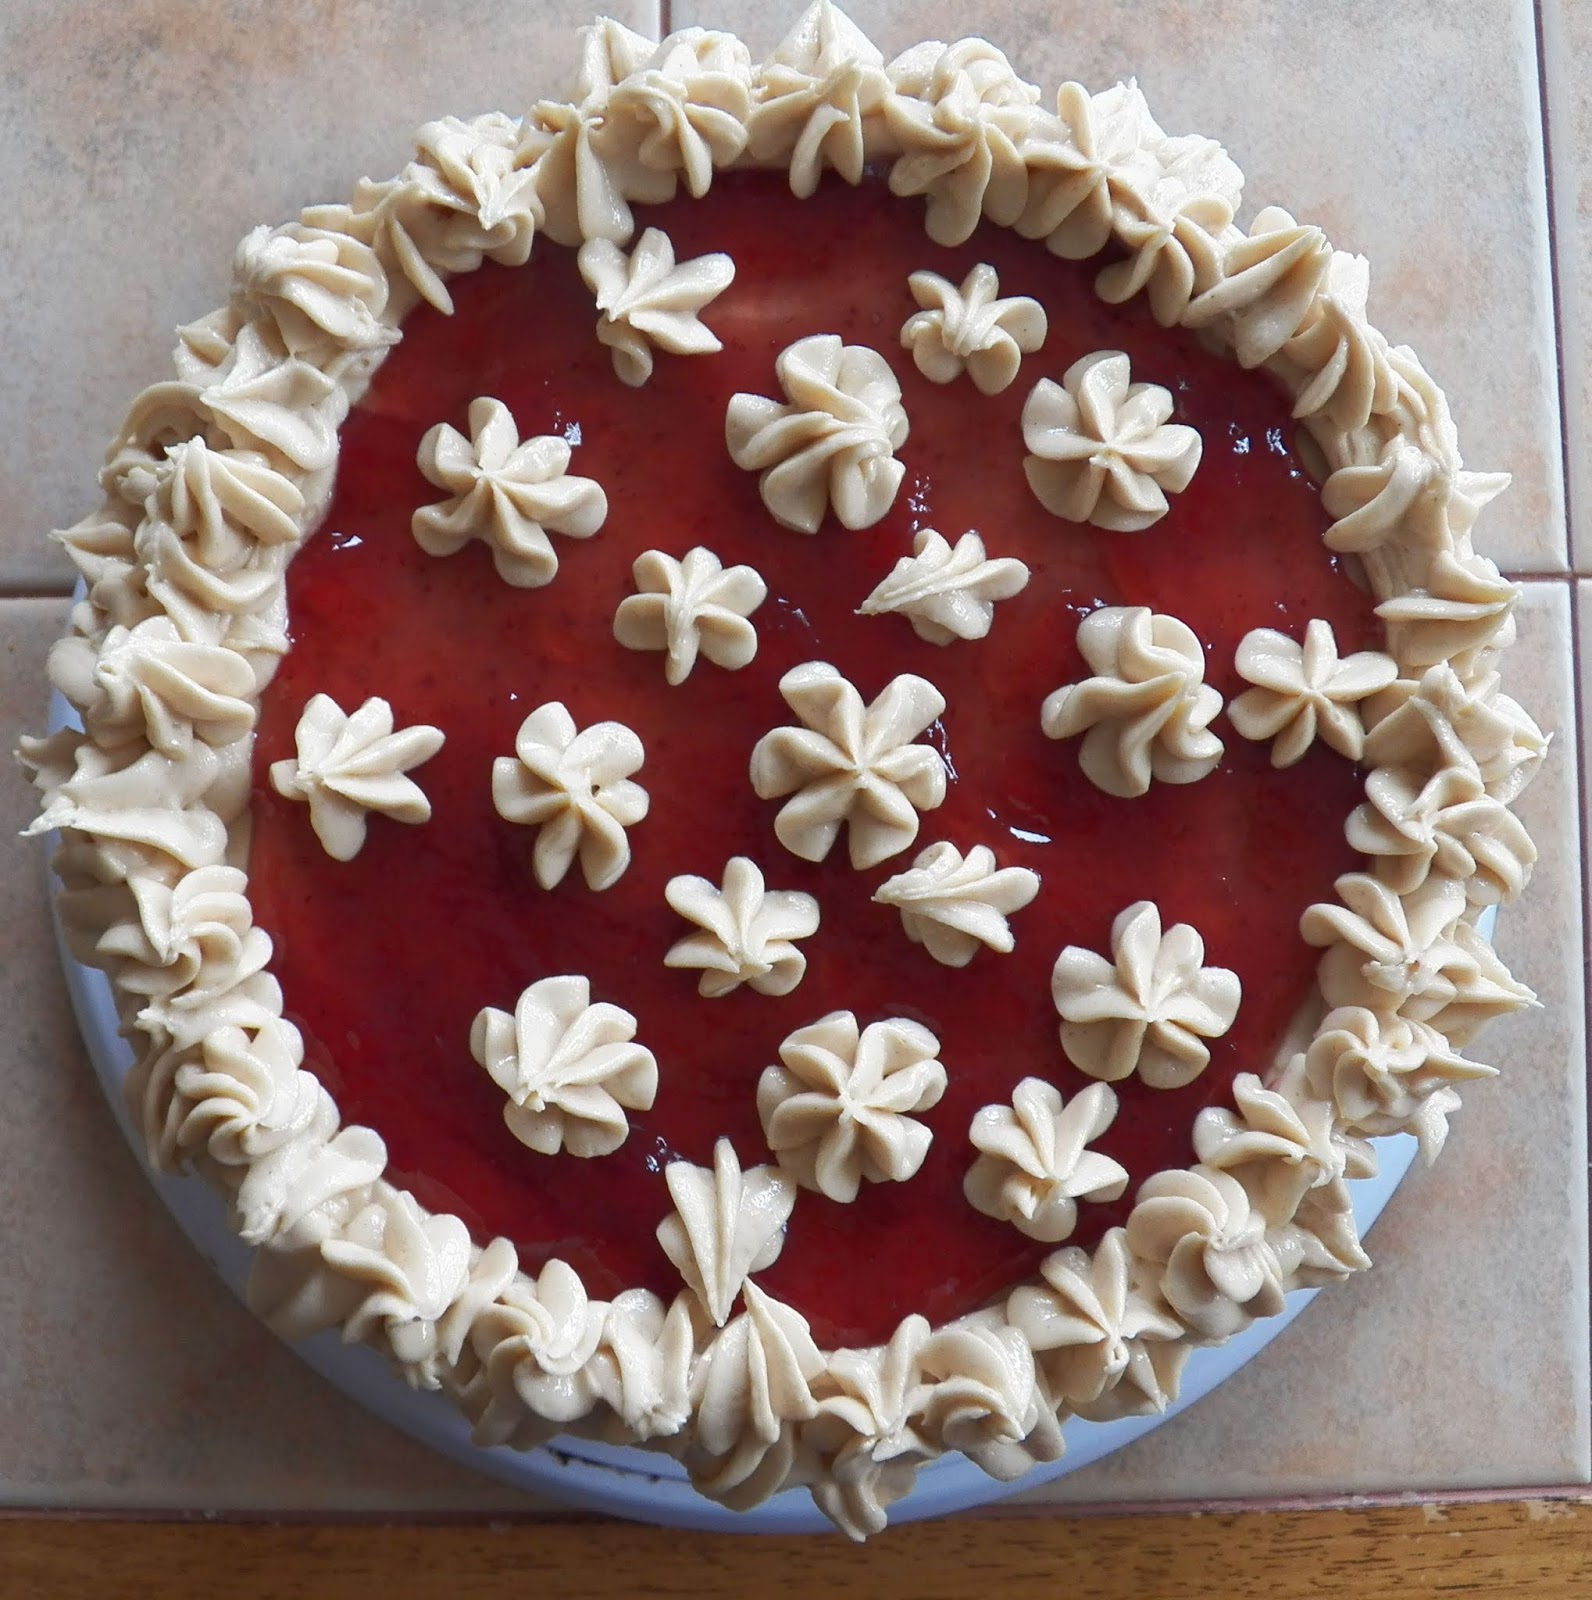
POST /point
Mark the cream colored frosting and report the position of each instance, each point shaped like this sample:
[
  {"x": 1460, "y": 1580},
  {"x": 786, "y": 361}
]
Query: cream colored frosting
[
  {"x": 820, "y": 100},
  {"x": 213, "y": 479},
  {"x": 1302, "y": 691},
  {"x": 1146, "y": 712},
  {"x": 850, "y": 764},
  {"x": 149, "y": 682},
  {"x": 1385, "y": 1074},
  {"x": 1107, "y": 1348},
  {"x": 351, "y": 763},
  {"x": 832, "y": 445},
  {"x": 953, "y": 904},
  {"x": 947, "y": 592},
  {"x": 571, "y": 1068},
  {"x": 509, "y": 493},
  {"x": 1411, "y": 953},
  {"x": 689, "y": 607},
  {"x": 464, "y": 200},
  {"x": 1034, "y": 1166},
  {"x": 727, "y": 1224},
  {"x": 323, "y": 290},
  {"x": 1447, "y": 824},
  {"x": 960, "y": 115},
  {"x": 574, "y": 787},
  {"x": 1269, "y": 286},
  {"x": 1101, "y": 448},
  {"x": 969, "y": 329},
  {"x": 838, "y": 1110},
  {"x": 758, "y": 1376},
  {"x": 646, "y": 300},
  {"x": 747, "y": 930},
  {"x": 1150, "y": 1008},
  {"x": 1218, "y": 1270}
]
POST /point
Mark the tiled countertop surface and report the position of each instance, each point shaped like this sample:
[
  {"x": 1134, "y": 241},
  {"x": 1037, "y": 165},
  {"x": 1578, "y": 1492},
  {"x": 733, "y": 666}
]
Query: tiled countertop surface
[{"x": 1446, "y": 139}]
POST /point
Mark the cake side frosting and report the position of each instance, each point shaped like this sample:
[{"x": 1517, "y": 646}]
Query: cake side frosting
[{"x": 217, "y": 476}]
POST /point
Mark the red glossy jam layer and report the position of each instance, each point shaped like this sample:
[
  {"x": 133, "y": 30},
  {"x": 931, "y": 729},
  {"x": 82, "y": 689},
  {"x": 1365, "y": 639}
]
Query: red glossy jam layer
[{"x": 384, "y": 961}]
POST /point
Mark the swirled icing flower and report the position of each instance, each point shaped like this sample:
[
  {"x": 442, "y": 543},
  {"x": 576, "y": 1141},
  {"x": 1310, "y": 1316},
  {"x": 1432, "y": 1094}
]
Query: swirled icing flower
[
  {"x": 1440, "y": 720},
  {"x": 642, "y": 1368},
  {"x": 1305, "y": 690},
  {"x": 747, "y": 931},
  {"x": 1217, "y": 1269},
  {"x": 1102, "y": 450},
  {"x": 832, "y": 444},
  {"x": 1267, "y": 288},
  {"x": 310, "y": 1186},
  {"x": 727, "y": 1223},
  {"x": 324, "y": 291},
  {"x": 691, "y": 606},
  {"x": 960, "y": 115},
  {"x": 952, "y": 904},
  {"x": 1106, "y": 1348},
  {"x": 850, "y": 764},
  {"x": 149, "y": 682},
  {"x": 407, "y": 1265},
  {"x": 646, "y": 300},
  {"x": 1342, "y": 359},
  {"x": 525, "y": 1366},
  {"x": 838, "y": 1110},
  {"x": 570, "y": 1068},
  {"x": 1278, "y": 1148},
  {"x": 574, "y": 787},
  {"x": 1462, "y": 608},
  {"x": 819, "y": 100},
  {"x": 350, "y": 763},
  {"x": 1446, "y": 824},
  {"x": 1150, "y": 1008},
  {"x": 223, "y": 504},
  {"x": 947, "y": 592},
  {"x": 1412, "y": 953},
  {"x": 464, "y": 200},
  {"x": 1033, "y": 1166},
  {"x": 1146, "y": 712},
  {"x": 969, "y": 329},
  {"x": 243, "y": 1094},
  {"x": 1385, "y": 1074},
  {"x": 508, "y": 493}
]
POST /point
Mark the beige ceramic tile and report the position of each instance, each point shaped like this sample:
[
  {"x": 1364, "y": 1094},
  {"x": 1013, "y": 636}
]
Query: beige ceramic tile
[
  {"x": 140, "y": 141},
  {"x": 1410, "y": 132},
  {"x": 128, "y": 1376},
  {"x": 1566, "y": 50},
  {"x": 1460, "y": 1360}
]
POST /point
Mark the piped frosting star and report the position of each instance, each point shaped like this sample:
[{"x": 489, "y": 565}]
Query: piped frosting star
[
  {"x": 1033, "y": 1166},
  {"x": 1102, "y": 448},
  {"x": 647, "y": 299},
  {"x": 747, "y": 931},
  {"x": 837, "y": 1111},
  {"x": 508, "y": 493},
  {"x": 832, "y": 444},
  {"x": 350, "y": 764},
  {"x": 573, "y": 786},
  {"x": 1302, "y": 691},
  {"x": 947, "y": 592},
  {"x": 689, "y": 607},
  {"x": 968, "y": 329},
  {"x": 1146, "y": 712},
  {"x": 1149, "y": 1009},
  {"x": 952, "y": 904},
  {"x": 850, "y": 764},
  {"x": 570, "y": 1068}
]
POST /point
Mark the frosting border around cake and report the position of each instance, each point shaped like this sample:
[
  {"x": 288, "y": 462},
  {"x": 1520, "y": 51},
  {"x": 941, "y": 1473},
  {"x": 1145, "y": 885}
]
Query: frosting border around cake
[{"x": 219, "y": 473}]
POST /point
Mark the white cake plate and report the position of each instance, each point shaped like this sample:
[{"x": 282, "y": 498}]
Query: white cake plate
[{"x": 640, "y": 1484}]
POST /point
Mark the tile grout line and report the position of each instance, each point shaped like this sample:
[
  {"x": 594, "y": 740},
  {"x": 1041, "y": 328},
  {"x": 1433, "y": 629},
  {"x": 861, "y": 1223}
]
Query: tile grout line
[
  {"x": 1555, "y": 288},
  {"x": 1578, "y": 716}
]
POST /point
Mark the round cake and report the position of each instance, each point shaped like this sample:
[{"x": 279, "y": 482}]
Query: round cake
[{"x": 786, "y": 762}]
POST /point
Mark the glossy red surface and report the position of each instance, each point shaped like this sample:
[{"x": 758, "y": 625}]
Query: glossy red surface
[{"x": 385, "y": 961}]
